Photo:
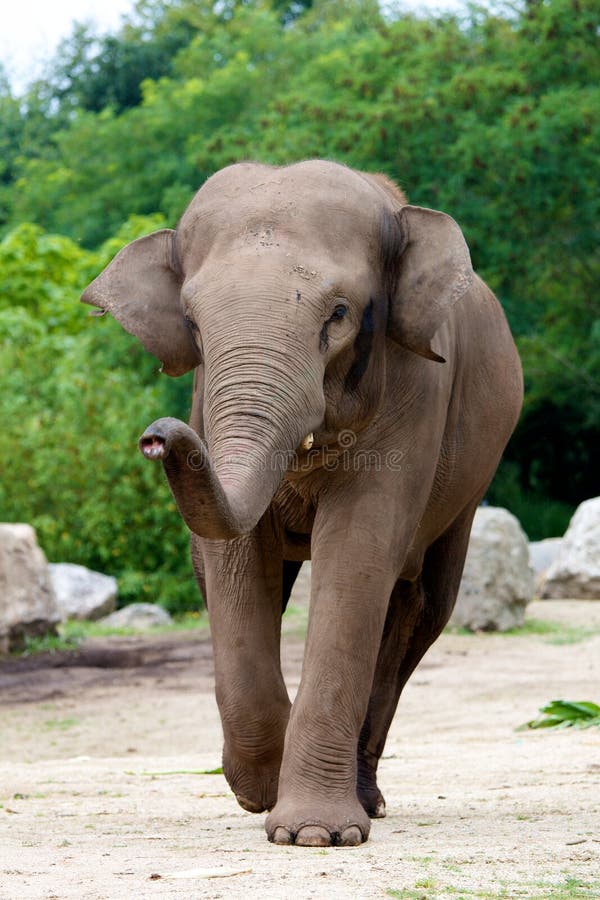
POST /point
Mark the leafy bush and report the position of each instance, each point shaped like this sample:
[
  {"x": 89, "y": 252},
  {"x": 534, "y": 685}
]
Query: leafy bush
[
  {"x": 489, "y": 114},
  {"x": 75, "y": 393},
  {"x": 540, "y": 516}
]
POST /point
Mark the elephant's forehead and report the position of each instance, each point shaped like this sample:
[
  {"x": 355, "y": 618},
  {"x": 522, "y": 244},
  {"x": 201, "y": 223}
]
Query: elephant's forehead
[
  {"x": 313, "y": 200},
  {"x": 304, "y": 184}
]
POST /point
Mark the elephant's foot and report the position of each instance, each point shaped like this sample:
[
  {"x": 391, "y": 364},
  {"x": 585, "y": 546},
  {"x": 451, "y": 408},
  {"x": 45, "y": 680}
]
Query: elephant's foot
[
  {"x": 368, "y": 793},
  {"x": 254, "y": 784},
  {"x": 318, "y": 824},
  {"x": 372, "y": 801}
]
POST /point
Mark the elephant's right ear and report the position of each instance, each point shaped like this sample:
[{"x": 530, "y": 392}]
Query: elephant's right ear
[{"x": 142, "y": 291}]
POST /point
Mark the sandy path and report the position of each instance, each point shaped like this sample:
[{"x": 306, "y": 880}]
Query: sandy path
[{"x": 98, "y": 791}]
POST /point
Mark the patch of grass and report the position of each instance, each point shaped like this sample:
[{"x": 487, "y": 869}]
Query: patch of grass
[
  {"x": 555, "y": 632},
  {"x": 295, "y": 620},
  {"x": 217, "y": 771},
  {"x": 566, "y": 714},
  {"x": 36, "y": 796},
  {"x": 46, "y": 643},
  {"x": 568, "y": 889},
  {"x": 76, "y": 630},
  {"x": 60, "y": 724},
  {"x": 407, "y": 894},
  {"x": 72, "y": 633},
  {"x": 536, "y": 627},
  {"x": 552, "y": 632}
]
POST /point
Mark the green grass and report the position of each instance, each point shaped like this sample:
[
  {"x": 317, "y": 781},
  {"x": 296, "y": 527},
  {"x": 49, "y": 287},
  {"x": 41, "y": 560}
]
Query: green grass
[
  {"x": 46, "y": 643},
  {"x": 295, "y": 621},
  {"x": 568, "y": 889},
  {"x": 60, "y": 724},
  {"x": 552, "y": 632},
  {"x": 72, "y": 633},
  {"x": 217, "y": 771}
]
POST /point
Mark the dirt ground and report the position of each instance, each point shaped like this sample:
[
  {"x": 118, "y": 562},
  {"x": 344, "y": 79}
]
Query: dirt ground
[{"x": 102, "y": 794}]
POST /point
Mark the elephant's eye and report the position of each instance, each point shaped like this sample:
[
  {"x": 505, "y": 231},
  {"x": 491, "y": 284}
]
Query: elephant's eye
[{"x": 339, "y": 312}]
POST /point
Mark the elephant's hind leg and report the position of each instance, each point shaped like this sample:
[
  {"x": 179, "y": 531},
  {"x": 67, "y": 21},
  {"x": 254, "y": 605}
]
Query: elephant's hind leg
[
  {"x": 406, "y": 603},
  {"x": 417, "y": 615}
]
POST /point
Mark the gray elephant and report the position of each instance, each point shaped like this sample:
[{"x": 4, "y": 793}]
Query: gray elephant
[{"x": 355, "y": 386}]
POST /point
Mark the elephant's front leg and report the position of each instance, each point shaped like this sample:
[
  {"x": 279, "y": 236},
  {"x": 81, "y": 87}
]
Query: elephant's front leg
[
  {"x": 243, "y": 585},
  {"x": 352, "y": 577}
]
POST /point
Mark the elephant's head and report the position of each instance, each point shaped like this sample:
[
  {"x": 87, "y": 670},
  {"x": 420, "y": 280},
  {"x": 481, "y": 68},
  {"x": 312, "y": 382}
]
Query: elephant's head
[{"x": 283, "y": 285}]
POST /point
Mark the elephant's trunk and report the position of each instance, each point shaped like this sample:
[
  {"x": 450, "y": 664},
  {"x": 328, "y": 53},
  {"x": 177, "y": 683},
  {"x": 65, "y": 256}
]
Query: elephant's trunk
[{"x": 256, "y": 415}]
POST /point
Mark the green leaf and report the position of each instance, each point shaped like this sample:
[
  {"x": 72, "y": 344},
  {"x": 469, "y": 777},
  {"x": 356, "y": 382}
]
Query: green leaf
[{"x": 566, "y": 714}]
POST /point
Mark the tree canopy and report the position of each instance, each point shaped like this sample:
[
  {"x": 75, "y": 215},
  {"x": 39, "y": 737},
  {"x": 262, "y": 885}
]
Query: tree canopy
[{"x": 491, "y": 115}]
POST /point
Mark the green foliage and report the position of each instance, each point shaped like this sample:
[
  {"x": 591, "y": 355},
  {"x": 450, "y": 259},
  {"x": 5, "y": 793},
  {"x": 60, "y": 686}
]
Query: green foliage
[
  {"x": 540, "y": 515},
  {"x": 567, "y": 714},
  {"x": 75, "y": 393},
  {"x": 492, "y": 115},
  {"x": 95, "y": 73}
]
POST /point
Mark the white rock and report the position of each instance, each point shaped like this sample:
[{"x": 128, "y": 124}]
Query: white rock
[
  {"x": 82, "y": 593},
  {"x": 140, "y": 616},
  {"x": 543, "y": 553},
  {"x": 27, "y": 601},
  {"x": 497, "y": 581},
  {"x": 575, "y": 574}
]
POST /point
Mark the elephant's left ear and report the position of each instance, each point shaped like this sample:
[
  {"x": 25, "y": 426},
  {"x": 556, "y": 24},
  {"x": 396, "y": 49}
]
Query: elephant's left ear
[
  {"x": 434, "y": 272},
  {"x": 141, "y": 289}
]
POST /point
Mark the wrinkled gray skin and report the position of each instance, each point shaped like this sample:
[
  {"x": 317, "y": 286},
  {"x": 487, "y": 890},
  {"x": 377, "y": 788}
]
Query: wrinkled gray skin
[{"x": 313, "y": 299}]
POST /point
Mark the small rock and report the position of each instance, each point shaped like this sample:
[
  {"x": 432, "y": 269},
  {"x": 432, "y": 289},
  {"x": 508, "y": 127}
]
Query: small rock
[
  {"x": 27, "y": 602},
  {"x": 141, "y": 616},
  {"x": 575, "y": 573},
  {"x": 82, "y": 593},
  {"x": 497, "y": 581}
]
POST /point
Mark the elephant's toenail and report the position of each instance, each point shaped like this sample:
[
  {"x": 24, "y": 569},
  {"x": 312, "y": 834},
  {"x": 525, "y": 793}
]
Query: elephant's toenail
[
  {"x": 352, "y": 836},
  {"x": 281, "y": 836},
  {"x": 380, "y": 810},
  {"x": 313, "y": 836}
]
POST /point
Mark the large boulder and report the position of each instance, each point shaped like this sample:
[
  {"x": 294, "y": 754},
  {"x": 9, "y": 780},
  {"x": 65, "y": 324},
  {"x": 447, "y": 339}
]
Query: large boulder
[
  {"x": 575, "y": 574},
  {"x": 497, "y": 582},
  {"x": 27, "y": 602},
  {"x": 543, "y": 553},
  {"x": 82, "y": 593}
]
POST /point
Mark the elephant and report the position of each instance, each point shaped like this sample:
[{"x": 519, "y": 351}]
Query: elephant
[{"x": 355, "y": 385}]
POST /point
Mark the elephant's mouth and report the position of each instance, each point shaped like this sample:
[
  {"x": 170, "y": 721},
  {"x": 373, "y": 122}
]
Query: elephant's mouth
[{"x": 152, "y": 447}]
